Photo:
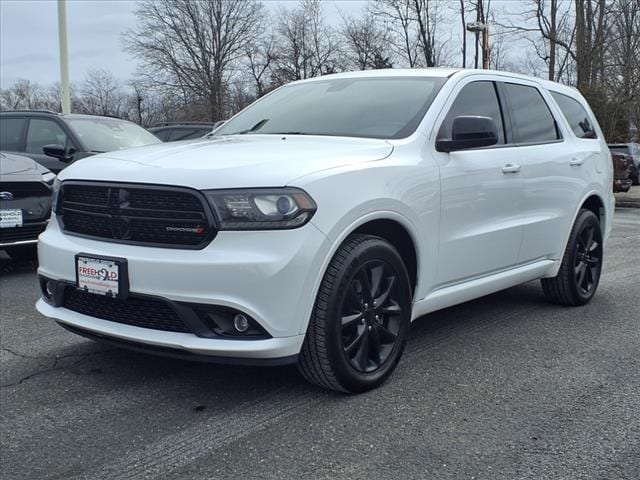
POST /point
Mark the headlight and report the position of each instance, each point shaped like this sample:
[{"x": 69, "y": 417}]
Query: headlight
[
  {"x": 55, "y": 190},
  {"x": 261, "y": 209},
  {"x": 48, "y": 178}
]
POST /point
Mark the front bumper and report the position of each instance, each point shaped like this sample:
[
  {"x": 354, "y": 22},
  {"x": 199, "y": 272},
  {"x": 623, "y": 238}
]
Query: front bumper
[
  {"x": 24, "y": 235},
  {"x": 269, "y": 275}
]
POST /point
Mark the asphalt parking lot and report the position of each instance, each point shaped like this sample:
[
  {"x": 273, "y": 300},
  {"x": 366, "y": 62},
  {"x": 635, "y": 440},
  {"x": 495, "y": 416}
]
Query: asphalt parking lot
[{"x": 504, "y": 387}]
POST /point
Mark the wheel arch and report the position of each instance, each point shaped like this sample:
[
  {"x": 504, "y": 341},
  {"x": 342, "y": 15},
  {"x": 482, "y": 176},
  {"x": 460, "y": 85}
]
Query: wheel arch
[
  {"x": 397, "y": 235},
  {"x": 593, "y": 202}
]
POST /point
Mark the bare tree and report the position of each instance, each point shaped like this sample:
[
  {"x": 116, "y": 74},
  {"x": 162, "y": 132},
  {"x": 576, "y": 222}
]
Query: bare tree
[
  {"x": 366, "y": 42},
  {"x": 591, "y": 34},
  {"x": 24, "y": 94},
  {"x": 307, "y": 45},
  {"x": 413, "y": 27},
  {"x": 427, "y": 18},
  {"x": 399, "y": 18},
  {"x": 191, "y": 46},
  {"x": 102, "y": 94},
  {"x": 260, "y": 58},
  {"x": 464, "y": 33}
]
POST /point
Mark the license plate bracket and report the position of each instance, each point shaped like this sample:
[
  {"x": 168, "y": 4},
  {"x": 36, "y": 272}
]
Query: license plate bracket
[
  {"x": 102, "y": 275},
  {"x": 10, "y": 218}
]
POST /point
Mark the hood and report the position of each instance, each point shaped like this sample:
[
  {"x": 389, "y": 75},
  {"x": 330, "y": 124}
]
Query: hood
[
  {"x": 229, "y": 162},
  {"x": 16, "y": 168},
  {"x": 19, "y": 165}
]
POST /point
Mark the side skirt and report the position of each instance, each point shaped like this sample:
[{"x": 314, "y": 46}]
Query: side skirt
[{"x": 448, "y": 296}]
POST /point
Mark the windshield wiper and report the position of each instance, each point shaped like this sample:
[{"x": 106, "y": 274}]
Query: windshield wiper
[{"x": 255, "y": 128}]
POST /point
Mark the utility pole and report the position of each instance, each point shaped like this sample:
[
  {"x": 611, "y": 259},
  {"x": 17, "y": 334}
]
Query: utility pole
[
  {"x": 64, "y": 57},
  {"x": 477, "y": 27},
  {"x": 485, "y": 47}
]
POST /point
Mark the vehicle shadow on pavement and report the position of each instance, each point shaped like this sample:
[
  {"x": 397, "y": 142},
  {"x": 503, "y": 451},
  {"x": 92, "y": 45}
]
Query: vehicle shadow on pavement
[
  {"x": 9, "y": 266},
  {"x": 104, "y": 366}
]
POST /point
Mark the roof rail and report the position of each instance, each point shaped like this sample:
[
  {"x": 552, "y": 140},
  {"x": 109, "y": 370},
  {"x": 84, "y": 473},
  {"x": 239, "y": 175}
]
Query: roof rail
[{"x": 30, "y": 110}]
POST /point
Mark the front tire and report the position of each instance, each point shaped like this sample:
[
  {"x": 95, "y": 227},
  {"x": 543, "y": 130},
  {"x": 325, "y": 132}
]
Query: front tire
[
  {"x": 358, "y": 328},
  {"x": 579, "y": 274}
]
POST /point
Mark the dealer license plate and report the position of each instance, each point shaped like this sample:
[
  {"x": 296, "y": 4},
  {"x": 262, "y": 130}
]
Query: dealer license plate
[
  {"x": 102, "y": 275},
  {"x": 10, "y": 218}
]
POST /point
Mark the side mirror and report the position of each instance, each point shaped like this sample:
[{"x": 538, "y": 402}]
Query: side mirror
[
  {"x": 469, "y": 132},
  {"x": 58, "y": 151}
]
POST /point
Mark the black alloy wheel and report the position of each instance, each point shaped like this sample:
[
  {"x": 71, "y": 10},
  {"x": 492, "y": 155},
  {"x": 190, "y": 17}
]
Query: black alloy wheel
[
  {"x": 588, "y": 259},
  {"x": 358, "y": 328},
  {"x": 579, "y": 274},
  {"x": 371, "y": 316}
]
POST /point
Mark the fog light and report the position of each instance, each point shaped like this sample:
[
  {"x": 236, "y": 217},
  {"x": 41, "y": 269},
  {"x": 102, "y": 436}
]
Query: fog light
[
  {"x": 51, "y": 288},
  {"x": 241, "y": 323}
]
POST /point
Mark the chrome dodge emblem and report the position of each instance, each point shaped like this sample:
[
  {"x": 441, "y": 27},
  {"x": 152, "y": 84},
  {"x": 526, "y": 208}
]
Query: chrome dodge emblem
[{"x": 6, "y": 196}]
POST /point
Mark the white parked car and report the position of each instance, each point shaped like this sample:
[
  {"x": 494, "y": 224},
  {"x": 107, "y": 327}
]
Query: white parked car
[{"x": 316, "y": 224}]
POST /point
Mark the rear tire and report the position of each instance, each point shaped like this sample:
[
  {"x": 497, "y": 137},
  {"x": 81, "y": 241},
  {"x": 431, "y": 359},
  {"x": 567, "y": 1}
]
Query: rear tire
[
  {"x": 579, "y": 273},
  {"x": 358, "y": 328}
]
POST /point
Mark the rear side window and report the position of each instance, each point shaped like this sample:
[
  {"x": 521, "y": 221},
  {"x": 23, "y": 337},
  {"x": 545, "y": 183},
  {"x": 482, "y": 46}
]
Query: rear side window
[
  {"x": 476, "y": 98},
  {"x": 531, "y": 117},
  {"x": 11, "y": 133},
  {"x": 162, "y": 134},
  {"x": 185, "y": 134},
  {"x": 576, "y": 115},
  {"x": 44, "y": 132}
]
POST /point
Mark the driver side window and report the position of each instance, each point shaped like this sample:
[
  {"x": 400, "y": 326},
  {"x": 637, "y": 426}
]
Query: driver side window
[
  {"x": 44, "y": 132},
  {"x": 476, "y": 98}
]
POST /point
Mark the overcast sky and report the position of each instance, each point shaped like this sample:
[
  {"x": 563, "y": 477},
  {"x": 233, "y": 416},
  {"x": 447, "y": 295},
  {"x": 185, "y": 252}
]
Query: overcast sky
[{"x": 29, "y": 37}]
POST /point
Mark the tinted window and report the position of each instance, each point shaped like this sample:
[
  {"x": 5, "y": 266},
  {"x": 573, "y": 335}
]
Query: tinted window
[
  {"x": 11, "y": 131},
  {"x": 477, "y": 98},
  {"x": 44, "y": 132},
  {"x": 382, "y": 107},
  {"x": 162, "y": 134},
  {"x": 530, "y": 114},
  {"x": 187, "y": 133},
  {"x": 576, "y": 115}
]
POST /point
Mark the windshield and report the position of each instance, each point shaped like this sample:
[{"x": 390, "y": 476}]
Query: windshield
[
  {"x": 381, "y": 107},
  {"x": 108, "y": 134}
]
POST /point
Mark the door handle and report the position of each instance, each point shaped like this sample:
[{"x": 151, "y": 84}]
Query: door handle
[
  {"x": 576, "y": 162},
  {"x": 511, "y": 168}
]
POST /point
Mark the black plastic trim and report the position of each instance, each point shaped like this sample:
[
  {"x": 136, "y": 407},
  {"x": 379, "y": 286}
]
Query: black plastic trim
[
  {"x": 186, "y": 311},
  {"x": 177, "y": 353}
]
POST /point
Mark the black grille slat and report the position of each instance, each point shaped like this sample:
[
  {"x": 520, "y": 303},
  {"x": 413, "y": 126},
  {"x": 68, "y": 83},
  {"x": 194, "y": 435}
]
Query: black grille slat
[
  {"x": 135, "y": 311},
  {"x": 79, "y": 194},
  {"x": 25, "y": 189},
  {"x": 17, "y": 234},
  {"x": 138, "y": 214}
]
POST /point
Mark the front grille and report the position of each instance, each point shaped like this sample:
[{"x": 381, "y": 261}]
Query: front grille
[
  {"x": 138, "y": 214},
  {"x": 18, "y": 234},
  {"x": 142, "y": 312},
  {"x": 25, "y": 189}
]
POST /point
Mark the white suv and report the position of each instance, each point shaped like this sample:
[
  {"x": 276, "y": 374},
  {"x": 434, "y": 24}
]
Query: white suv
[{"x": 316, "y": 224}]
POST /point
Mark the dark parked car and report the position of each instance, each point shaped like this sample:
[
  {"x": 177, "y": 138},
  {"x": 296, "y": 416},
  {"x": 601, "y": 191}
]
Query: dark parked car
[
  {"x": 621, "y": 171},
  {"x": 25, "y": 204},
  {"x": 633, "y": 150},
  {"x": 173, "y": 132},
  {"x": 54, "y": 140}
]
